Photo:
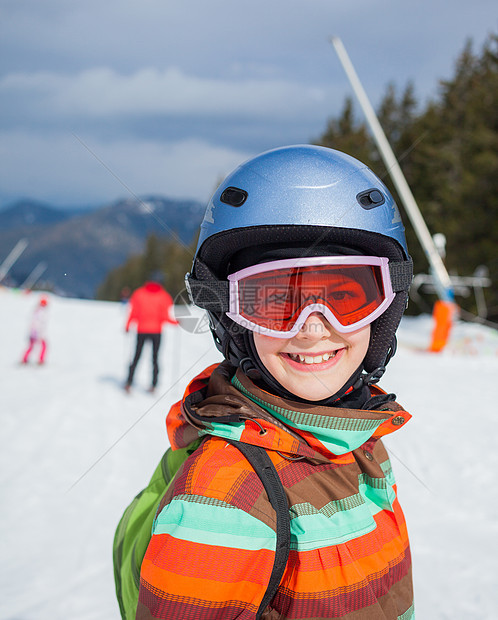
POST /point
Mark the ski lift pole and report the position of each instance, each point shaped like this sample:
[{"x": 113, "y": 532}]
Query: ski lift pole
[
  {"x": 14, "y": 254},
  {"x": 34, "y": 276},
  {"x": 441, "y": 277}
]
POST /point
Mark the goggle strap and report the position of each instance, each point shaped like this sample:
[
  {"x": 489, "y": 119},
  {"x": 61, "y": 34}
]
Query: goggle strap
[
  {"x": 401, "y": 275},
  {"x": 209, "y": 294},
  {"x": 213, "y": 294}
]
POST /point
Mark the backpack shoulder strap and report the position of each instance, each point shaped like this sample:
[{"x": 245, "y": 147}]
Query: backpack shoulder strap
[{"x": 261, "y": 462}]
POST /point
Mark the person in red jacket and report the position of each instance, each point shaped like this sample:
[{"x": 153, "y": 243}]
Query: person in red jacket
[{"x": 150, "y": 308}]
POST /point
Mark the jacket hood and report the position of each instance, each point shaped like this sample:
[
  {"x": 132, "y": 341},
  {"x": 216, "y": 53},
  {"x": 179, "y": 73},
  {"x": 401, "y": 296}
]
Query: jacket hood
[
  {"x": 152, "y": 287},
  {"x": 220, "y": 403}
]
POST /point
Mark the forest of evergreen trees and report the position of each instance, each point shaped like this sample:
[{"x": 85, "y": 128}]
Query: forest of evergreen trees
[
  {"x": 162, "y": 256},
  {"x": 447, "y": 148}
]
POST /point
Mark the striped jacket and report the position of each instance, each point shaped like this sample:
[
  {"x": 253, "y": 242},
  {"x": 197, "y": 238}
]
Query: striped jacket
[{"x": 213, "y": 543}]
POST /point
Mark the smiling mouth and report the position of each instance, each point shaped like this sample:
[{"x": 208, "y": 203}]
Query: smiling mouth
[{"x": 311, "y": 359}]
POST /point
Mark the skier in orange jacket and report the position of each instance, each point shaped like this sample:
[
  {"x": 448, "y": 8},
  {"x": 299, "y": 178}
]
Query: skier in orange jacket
[{"x": 150, "y": 308}]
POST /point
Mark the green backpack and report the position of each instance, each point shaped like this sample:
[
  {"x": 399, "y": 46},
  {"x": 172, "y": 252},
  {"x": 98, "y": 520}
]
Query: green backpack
[{"x": 134, "y": 530}]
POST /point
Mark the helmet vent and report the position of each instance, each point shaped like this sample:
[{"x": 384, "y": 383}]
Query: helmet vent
[
  {"x": 370, "y": 199},
  {"x": 233, "y": 196}
]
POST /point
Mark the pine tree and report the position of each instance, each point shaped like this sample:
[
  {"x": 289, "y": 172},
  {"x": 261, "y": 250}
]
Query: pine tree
[
  {"x": 168, "y": 260},
  {"x": 350, "y": 136},
  {"x": 454, "y": 170},
  {"x": 448, "y": 152}
]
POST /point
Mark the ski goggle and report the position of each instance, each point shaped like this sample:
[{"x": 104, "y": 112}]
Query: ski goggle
[{"x": 276, "y": 298}]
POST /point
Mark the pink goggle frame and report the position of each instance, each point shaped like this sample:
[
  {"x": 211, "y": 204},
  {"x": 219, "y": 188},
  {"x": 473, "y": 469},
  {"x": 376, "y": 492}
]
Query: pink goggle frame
[{"x": 326, "y": 273}]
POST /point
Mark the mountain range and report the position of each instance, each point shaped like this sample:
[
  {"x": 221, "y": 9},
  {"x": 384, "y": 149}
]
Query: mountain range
[{"x": 74, "y": 250}]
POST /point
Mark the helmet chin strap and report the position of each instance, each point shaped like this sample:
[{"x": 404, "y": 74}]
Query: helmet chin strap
[
  {"x": 253, "y": 367},
  {"x": 243, "y": 354}
]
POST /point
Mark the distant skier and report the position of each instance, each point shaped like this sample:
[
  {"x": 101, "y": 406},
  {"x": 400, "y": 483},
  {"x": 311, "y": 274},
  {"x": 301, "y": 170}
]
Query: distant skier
[
  {"x": 124, "y": 296},
  {"x": 37, "y": 332},
  {"x": 150, "y": 308}
]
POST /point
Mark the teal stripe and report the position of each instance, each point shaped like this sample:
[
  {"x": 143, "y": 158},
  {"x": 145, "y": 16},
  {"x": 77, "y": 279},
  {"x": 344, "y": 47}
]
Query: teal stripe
[
  {"x": 312, "y": 420},
  {"x": 317, "y": 531},
  {"x": 341, "y": 520},
  {"x": 408, "y": 615},
  {"x": 377, "y": 492},
  {"x": 338, "y": 435},
  {"x": 213, "y": 522},
  {"x": 227, "y": 431}
]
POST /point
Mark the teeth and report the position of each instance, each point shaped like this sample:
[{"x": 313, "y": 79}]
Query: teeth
[{"x": 312, "y": 359}]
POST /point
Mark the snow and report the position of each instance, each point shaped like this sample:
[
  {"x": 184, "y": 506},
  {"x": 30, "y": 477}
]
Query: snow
[{"x": 75, "y": 449}]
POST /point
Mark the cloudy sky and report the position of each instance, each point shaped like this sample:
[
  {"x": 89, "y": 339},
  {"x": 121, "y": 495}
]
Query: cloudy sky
[{"x": 101, "y": 98}]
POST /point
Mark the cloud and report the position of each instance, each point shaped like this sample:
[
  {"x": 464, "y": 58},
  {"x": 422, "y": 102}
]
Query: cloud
[
  {"x": 159, "y": 131},
  {"x": 172, "y": 95},
  {"x": 103, "y": 92},
  {"x": 74, "y": 170}
]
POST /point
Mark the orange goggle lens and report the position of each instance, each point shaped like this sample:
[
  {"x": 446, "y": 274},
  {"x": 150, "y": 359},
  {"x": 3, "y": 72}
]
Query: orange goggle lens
[{"x": 275, "y": 299}]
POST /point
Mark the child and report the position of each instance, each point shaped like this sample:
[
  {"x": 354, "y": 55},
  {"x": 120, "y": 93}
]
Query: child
[
  {"x": 303, "y": 268},
  {"x": 37, "y": 331}
]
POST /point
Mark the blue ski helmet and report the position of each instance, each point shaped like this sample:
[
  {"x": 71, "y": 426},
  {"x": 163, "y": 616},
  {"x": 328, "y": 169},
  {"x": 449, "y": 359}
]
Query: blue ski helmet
[{"x": 307, "y": 199}]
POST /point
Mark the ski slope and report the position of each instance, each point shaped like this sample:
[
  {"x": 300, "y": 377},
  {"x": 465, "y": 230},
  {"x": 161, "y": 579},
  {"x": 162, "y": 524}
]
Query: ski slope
[{"x": 75, "y": 449}]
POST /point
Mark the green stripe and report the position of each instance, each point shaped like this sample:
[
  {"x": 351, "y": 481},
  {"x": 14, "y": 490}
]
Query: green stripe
[
  {"x": 312, "y": 420},
  {"x": 201, "y": 499},
  {"x": 338, "y": 435},
  {"x": 340, "y": 520},
  {"x": 228, "y": 431},
  {"x": 210, "y": 521},
  {"x": 330, "y": 509},
  {"x": 317, "y": 531},
  {"x": 377, "y": 492},
  {"x": 388, "y": 472},
  {"x": 408, "y": 615}
]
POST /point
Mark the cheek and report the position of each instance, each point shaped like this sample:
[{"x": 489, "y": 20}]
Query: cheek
[
  {"x": 266, "y": 347},
  {"x": 360, "y": 342}
]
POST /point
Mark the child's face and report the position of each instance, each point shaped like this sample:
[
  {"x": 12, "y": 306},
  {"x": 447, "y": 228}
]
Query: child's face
[{"x": 334, "y": 357}]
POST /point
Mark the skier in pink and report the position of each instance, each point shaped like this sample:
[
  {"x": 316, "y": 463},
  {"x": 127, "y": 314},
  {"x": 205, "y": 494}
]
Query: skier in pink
[{"x": 37, "y": 331}]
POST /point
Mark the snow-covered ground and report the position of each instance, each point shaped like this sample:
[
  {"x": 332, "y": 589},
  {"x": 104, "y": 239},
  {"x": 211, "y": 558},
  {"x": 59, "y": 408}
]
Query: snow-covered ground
[{"x": 75, "y": 449}]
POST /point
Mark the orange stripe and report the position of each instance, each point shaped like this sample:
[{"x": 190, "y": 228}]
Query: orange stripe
[
  {"x": 218, "y": 468},
  {"x": 345, "y": 572},
  {"x": 196, "y": 560},
  {"x": 162, "y": 581},
  {"x": 186, "y": 565},
  {"x": 240, "y": 574},
  {"x": 388, "y": 426}
]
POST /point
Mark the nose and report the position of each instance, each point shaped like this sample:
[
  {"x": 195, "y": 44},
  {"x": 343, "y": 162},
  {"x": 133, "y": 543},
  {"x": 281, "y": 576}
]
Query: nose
[{"x": 316, "y": 327}]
